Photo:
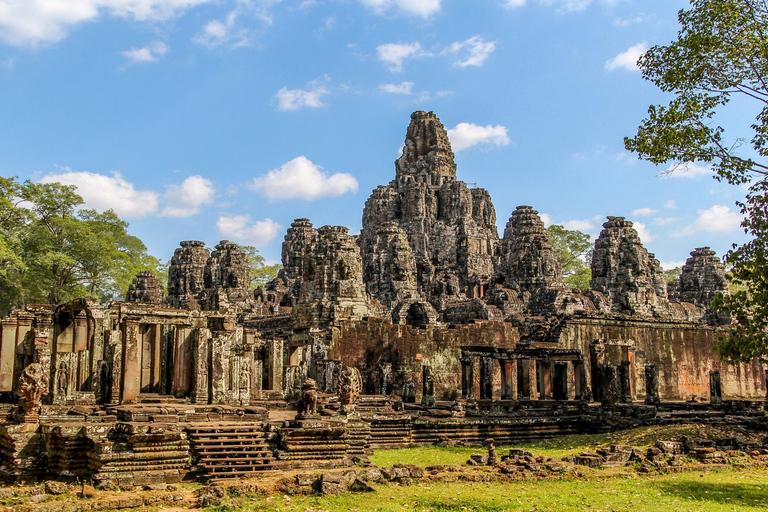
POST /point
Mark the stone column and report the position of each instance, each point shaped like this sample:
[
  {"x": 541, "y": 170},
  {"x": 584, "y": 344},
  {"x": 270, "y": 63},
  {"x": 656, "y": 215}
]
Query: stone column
[
  {"x": 626, "y": 389},
  {"x": 467, "y": 377},
  {"x": 509, "y": 380},
  {"x": 652, "y": 385},
  {"x": 182, "y": 362},
  {"x": 545, "y": 373},
  {"x": 486, "y": 378},
  {"x": 202, "y": 340},
  {"x": 611, "y": 382},
  {"x": 115, "y": 354},
  {"x": 131, "y": 375},
  {"x": 8, "y": 353},
  {"x": 157, "y": 343},
  {"x": 523, "y": 379},
  {"x": 275, "y": 378},
  {"x": 715, "y": 389},
  {"x": 428, "y": 389},
  {"x": 81, "y": 332},
  {"x": 256, "y": 378},
  {"x": 533, "y": 379}
]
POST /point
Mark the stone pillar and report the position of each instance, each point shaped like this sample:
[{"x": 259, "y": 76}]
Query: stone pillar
[
  {"x": 486, "y": 378},
  {"x": 611, "y": 382},
  {"x": 202, "y": 340},
  {"x": 157, "y": 343},
  {"x": 509, "y": 380},
  {"x": 545, "y": 373},
  {"x": 275, "y": 355},
  {"x": 715, "y": 388},
  {"x": 80, "y": 325},
  {"x": 467, "y": 377},
  {"x": 652, "y": 385},
  {"x": 626, "y": 387},
  {"x": 579, "y": 380},
  {"x": 115, "y": 354},
  {"x": 131, "y": 375},
  {"x": 523, "y": 379},
  {"x": 8, "y": 353},
  {"x": 428, "y": 389},
  {"x": 533, "y": 378},
  {"x": 182, "y": 362},
  {"x": 257, "y": 369}
]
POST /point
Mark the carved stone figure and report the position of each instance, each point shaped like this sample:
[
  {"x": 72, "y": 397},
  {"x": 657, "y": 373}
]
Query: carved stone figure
[
  {"x": 351, "y": 383},
  {"x": 33, "y": 384},
  {"x": 308, "y": 400},
  {"x": 62, "y": 380},
  {"x": 409, "y": 391},
  {"x": 428, "y": 392}
]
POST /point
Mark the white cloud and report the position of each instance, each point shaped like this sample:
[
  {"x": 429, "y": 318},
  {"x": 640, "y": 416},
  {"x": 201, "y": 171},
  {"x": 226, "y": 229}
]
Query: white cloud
[
  {"x": 302, "y": 179},
  {"x": 102, "y": 192},
  {"x": 471, "y": 52},
  {"x": 150, "y": 53},
  {"x": 717, "y": 219},
  {"x": 395, "y": 54},
  {"x": 546, "y": 219},
  {"x": 8, "y": 63},
  {"x": 421, "y": 8},
  {"x": 627, "y": 60},
  {"x": 466, "y": 135},
  {"x": 663, "y": 221},
  {"x": 185, "y": 200},
  {"x": 670, "y": 205},
  {"x": 634, "y": 20},
  {"x": 401, "y": 88},
  {"x": 220, "y": 32},
  {"x": 565, "y": 6},
  {"x": 311, "y": 96},
  {"x": 242, "y": 229},
  {"x": 514, "y": 4},
  {"x": 579, "y": 225},
  {"x": 643, "y": 212},
  {"x": 669, "y": 265},
  {"x": 34, "y": 22},
  {"x": 642, "y": 232},
  {"x": 687, "y": 170}
]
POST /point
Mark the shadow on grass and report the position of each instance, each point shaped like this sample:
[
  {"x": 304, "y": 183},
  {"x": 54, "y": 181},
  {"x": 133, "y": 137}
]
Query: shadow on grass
[{"x": 750, "y": 495}]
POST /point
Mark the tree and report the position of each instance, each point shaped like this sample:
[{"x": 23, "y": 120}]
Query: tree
[
  {"x": 721, "y": 54},
  {"x": 261, "y": 273},
  {"x": 52, "y": 251},
  {"x": 673, "y": 274},
  {"x": 574, "y": 251}
]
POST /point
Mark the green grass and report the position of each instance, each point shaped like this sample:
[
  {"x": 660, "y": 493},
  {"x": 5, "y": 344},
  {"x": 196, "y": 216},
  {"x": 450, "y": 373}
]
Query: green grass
[
  {"x": 555, "y": 448},
  {"x": 732, "y": 490}
]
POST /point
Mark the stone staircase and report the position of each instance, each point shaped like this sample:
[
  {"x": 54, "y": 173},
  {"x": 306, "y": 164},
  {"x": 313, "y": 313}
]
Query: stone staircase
[{"x": 231, "y": 449}]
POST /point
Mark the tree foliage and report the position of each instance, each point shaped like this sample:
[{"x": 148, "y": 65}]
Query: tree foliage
[
  {"x": 721, "y": 54},
  {"x": 261, "y": 273},
  {"x": 52, "y": 251},
  {"x": 574, "y": 251}
]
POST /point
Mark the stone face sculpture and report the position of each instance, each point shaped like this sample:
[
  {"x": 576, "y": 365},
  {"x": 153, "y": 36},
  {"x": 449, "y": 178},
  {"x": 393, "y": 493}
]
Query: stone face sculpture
[
  {"x": 308, "y": 400},
  {"x": 146, "y": 288},
  {"x": 33, "y": 384},
  {"x": 351, "y": 383}
]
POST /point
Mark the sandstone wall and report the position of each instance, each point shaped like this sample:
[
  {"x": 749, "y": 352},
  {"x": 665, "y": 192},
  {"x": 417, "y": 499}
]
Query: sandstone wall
[{"x": 681, "y": 350}]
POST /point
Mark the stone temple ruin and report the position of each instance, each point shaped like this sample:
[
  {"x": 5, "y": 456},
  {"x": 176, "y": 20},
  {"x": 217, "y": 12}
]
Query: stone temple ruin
[{"x": 423, "y": 327}]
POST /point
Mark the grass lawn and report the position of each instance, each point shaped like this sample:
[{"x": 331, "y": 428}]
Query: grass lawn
[{"x": 732, "y": 490}]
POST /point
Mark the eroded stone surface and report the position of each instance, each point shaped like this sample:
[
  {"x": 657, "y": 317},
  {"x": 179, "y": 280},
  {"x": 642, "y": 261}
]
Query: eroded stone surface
[{"x": 146, "y": 288}]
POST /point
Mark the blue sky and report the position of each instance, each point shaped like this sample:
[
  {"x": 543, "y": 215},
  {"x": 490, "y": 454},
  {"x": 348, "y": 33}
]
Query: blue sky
[{"x": 214, "y": 119}]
